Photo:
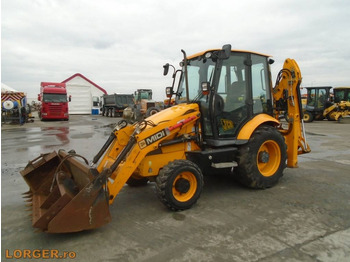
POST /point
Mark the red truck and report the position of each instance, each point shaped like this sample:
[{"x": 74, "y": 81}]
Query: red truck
[{"x": 54, "y": 102}]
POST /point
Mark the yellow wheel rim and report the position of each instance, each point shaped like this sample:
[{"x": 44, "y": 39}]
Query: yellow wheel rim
[
  {"x": 269, "y": 158},
  {"x": 306, "y": 117},
  {"x": 184, "y": 186}
]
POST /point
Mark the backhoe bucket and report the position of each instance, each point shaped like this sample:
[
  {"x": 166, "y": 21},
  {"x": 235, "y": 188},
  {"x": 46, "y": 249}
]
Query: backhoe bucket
[{"x": 65, "y": 194}]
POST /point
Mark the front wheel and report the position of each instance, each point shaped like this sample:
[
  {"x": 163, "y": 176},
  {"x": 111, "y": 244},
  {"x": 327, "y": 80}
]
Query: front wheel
[
  {"x": 179, "y": 184},
  {"x": 151, "y": 111},
  {"x": 308, "y": 117},
  {"x": 262, "y": 160}
]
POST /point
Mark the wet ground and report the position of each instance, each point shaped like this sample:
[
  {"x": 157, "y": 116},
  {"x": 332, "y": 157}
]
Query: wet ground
[{"x": 306, "y": 217}]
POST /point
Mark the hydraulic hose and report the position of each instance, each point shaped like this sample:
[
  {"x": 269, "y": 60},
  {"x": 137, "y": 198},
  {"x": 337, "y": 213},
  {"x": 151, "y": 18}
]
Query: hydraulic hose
[
  {"x": 123, "y": 154},
  {"x": 104, "y": 148}
]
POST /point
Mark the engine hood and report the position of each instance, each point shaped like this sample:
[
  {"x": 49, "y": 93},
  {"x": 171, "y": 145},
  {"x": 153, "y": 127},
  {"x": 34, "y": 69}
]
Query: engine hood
[{"x": 173, "y": 112}]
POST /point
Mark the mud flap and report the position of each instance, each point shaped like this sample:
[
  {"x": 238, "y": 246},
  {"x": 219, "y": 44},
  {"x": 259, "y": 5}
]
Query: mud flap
[{"x": 66, "y": 195}]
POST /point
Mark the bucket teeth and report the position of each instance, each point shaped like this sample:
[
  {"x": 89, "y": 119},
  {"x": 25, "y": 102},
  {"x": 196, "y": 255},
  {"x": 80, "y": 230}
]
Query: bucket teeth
[
  {"x": 28, "y": 200},
  {"x": 28, "y": 193},
  {"x": 29, "y": 204},
  {"x": 29, "y": 209},
  {"x": 28, "y": 196}
]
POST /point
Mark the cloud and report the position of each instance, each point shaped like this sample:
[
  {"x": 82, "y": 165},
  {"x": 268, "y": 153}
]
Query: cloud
[{"x": 122, "y": 45}]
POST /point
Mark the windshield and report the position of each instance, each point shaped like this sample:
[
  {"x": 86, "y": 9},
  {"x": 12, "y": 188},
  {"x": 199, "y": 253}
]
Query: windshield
[
  {"x": 145, "y": 95},
  {"x": 55, "y": 98},
  {"x": 199, "y": 70}
]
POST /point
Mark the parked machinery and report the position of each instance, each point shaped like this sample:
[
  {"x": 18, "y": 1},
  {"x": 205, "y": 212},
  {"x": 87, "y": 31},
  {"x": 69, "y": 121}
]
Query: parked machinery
[
  {"x": 114, "y": 105},
  {"x": 143, "y": 106},
  {"x": 320, "y": 103},
  {"x": 54, "y": 101},
  {"x": 14, "y": 108},
  {"x": 225, "y": 119}
]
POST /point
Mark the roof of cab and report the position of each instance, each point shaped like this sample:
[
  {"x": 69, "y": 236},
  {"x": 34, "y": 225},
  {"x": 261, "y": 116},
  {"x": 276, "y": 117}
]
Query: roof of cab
[
  {"x": 342, "y": 87},
  {"x": 233, "y": 50}
]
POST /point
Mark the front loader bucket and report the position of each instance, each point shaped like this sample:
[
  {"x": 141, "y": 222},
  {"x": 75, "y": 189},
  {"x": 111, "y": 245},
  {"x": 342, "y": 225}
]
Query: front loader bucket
[{"x": 65, "y": 194}]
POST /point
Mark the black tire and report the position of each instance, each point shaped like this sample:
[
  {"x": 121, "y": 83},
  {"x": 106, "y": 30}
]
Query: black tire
[
  {"x": 308, "y": 117},
  {"x": 136, "y": 182},
  {"x": 262, "y": 160},
  {"x": 151, "y": 111},
  {"x": 103, "y": 111},
  {"x": 179, "y": 184}
]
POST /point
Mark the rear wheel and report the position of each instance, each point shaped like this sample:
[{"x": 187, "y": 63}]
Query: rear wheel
[
  {"x": 114, "y": 113},
  {"x": 179, "y": 184},
  {"x": 308, "y": 117},
  {"x": 262, "y": 160}
]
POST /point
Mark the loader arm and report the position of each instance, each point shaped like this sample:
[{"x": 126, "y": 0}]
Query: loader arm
[
  {"x": 287, "y": 102},
  {"x": 337, "y": 110},
  {"x": 133, "y": 143}
]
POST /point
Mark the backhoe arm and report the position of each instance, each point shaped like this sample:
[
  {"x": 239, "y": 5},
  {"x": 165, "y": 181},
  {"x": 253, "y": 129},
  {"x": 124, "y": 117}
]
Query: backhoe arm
[{"x": 287, "y": 101}]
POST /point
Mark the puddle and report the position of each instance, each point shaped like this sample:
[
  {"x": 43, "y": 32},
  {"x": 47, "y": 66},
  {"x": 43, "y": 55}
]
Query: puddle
[{"x": 179, "y": 216}]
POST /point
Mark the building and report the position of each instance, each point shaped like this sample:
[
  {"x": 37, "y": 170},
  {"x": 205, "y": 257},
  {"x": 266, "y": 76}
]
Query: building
[{"x": 85, "y": 95}]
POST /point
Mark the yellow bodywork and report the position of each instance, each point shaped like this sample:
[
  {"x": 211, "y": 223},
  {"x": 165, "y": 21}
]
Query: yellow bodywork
[
  {"x": 337, "y": 110},
  {"x": 249, "y": 128},
  {"x": 294, "y": 134},
  {"x": 138, "y": 162}
]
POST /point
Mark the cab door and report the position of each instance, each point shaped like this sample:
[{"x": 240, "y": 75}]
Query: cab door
[
  {"x": 242, "y": 91},
  {"x": 229, "y": 103}
]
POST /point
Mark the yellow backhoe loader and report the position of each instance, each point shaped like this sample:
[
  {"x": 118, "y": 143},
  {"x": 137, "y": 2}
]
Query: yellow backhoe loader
[{"x": 226, "y": 118}]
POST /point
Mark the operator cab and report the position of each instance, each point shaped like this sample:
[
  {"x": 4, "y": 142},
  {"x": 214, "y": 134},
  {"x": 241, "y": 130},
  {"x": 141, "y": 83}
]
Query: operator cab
[
  {"x": 318, "y": 98},
  {"x": 230, "y": 87}
]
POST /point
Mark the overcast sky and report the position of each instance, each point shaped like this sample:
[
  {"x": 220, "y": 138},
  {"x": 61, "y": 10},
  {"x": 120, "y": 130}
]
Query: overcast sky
[{"x": 121, "y": 45}]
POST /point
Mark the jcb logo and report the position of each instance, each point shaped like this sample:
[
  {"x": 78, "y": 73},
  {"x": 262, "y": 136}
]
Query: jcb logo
[
  {"x": 151, "y": 139},
  {"x": 227, "y": 124}
]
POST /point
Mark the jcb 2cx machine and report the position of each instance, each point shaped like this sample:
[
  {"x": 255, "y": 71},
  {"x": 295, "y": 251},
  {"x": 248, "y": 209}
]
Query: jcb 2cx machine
[{"x": 226, "y": 117}]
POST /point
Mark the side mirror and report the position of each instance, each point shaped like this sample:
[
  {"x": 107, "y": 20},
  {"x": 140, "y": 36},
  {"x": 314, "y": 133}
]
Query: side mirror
[
  {"x": 166, "y": 69},
  {"x": 224, "y": 53},
  {"x": 169, "y": 92},
  {"x": 205, "y": 88},
  {"x": 69, "y": 98},
  {"x": 227, "y": 51},
  {"x": 39, "y": 97}
]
